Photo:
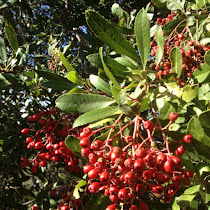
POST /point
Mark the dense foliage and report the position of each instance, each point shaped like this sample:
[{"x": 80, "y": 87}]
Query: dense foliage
[{"x": 106, "y": 106}]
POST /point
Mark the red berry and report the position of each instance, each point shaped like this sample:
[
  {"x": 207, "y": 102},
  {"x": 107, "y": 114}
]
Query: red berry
[
  {"x": 85, "y": 142},
  {"x": 191, "y": 43},
  {"x": 180, "y": 36},
  {"x": 64, "y": 208},
  {"x": 111, "y": 207},
  {"x": 34, "y": 170},
  {"x": 96, "y": 145},
  {"x": 168, "y": 198},
  {"x": 140, "y": 153},
  {"x": 104, "y": 177},
  {"x": 85, "y": 152},
  {"x": 123, "y": 194},
  {"x": 34, "y": 208},
  {"x": 179, "y": 151},
  {"x": 169, "y": 166},
  {"x": 93, "y": 173},
  {"x": 173, "y": 116},
  {"x": 133, "y": 207},
  {"x": 159, "y": 189},
  {"x": 38, "y": 145},
  {"x": 94, "y": 187},
  {"x": 188, "y": 138},
  {"x": 148, "y": 125},
  {"x": 113, "y": 190},
  {"x": 87, "y": 131},
  {"x": 143, "y": 206},
  {"x": 42, "y": 121},
  {"x": 25, "y": 131},
  {"x": 139, "y": 165},
  {"x": 29, "y": 140},
  {"x": 128, "y": 138},
  {"x": 177, "y": 161},
  {"x": 161, "y": 158}
]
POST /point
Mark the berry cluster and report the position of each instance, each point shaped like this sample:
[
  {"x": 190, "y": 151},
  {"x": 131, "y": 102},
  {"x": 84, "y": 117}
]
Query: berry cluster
[
  {"x": 192, "y": 54},
  {"x": 137, "y": 169},
  {"x": 163, "y": 21},
  {"x": 48, "y": 141}
]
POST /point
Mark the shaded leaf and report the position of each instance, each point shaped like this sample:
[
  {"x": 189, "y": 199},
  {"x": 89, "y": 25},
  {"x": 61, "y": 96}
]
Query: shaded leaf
[
  {"x": 110, "y": 35},
  {"x": 6, "y": 3},
  {"x": 3, "y": 52},
  {"x": 176, "y": 60},
  {"x": 142, "y": 31},
  {"x": 204, "y": 119},
  {"x": 207, "y": 58},
  {"x": 65, "y": 62},
  {"x": 184, "y": 200},
  {"x": 77, "y": 102},
  {"x": 95, "y": 115},
  {"x": 202, "y": 74},
  {"x": 58, "y": 85},
  {"x": 166, "y": 110}
]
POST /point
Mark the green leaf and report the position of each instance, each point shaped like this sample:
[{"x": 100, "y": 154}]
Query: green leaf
[
  {"x": 76, "y": 189},
  {"x": 204, "y": 119},
  {"x": 190, "y": 92},
  {"x": 204, "y": 169},
  {"x": 174, "y": 4},
  {"x": 65, "y": 62},
  {"x": 176, "y": 60},
  {"x": 82, "y": 102},
  {"x": 195, "y": 128},
  {"x": 3, "y": 52},
  {"x": 3, "y": 82},
  {"x": 6, "y": 3},
  {"x": 202, "y": 74},
  {"x": 110, "y": 35},
  {"x": 97, "y": 202},
  {"x": 58, "y": 85},
  {"x": 108, "y": 73},
  {"x": 192, "y": 190},
  {"x": 11, "y": 36},
  {"x": 100, "y": 84},
  {"x": 126, "y": 61},
  {"x": 142, "y": 31},
  {"x": 115, "y": 67},
  {"x": 95, "y": 115},
  {"x": 115, "y": 91},
  {"x": 73, "y": 144},
  {"x": 175, "y": 206},
  {"x": 160, "y": 42},
  {"x": 166, "y": 110},
  {"x": 207, "y": 57},
  {"x": 74, "y": 77},
  {"x": 51, "y": 76},
  {"x": 205, "y": 196},
  {"x": 184, "y": 200}
]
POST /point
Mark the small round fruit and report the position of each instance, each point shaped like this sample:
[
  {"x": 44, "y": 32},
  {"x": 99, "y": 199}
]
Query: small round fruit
[
  {"x": 191, "y": 43},
  {"x": 25, "y": 131},
  {"x": 148, "y": 125},
  {"x": 188, "y": 138},
  {"x": 111, "y": 207},
  {"x": 94, "y": 187},
  {"x": 169, "y": 166},
  {"x": 180, "y": 36},
  {"x": 173, "y": 116},
  {"x": 179, "y": 151}
]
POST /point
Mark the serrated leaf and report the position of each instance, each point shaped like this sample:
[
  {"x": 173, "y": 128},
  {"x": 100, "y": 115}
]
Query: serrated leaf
[
  {"x": 11, "y": 36},
  {"x": 204, "y": 119},
  {"x": 74, "y": 77},
  {"x": 100, "y": 84},
  {"x": 166, "y": 110},
  {"x": 76, "y": 102},
  {"x": 110, "y": 35},
  {"x": 192, "y": 190},
  {"x": 160, "y": 42},
  {"x": 190, "y": 92},
  {"x": 72, "y": 143},
  {"x": 195, "y": 128},
  {"x": 65, "y": 62},
  {"x": 95, "y": 115},
  {"x": 108, "y": 73},
  {"x": 115, "y": 67},
  {"x": 58, "y": 85},
  {"x": 202, "y": 74},
  {"x": 207, "y": 58},
  {"x": 51, "y": 76},
  {"x": 142, "y": 31},
  {"x": 176, "y": 60},
  {"x": 184, "y": 200}
]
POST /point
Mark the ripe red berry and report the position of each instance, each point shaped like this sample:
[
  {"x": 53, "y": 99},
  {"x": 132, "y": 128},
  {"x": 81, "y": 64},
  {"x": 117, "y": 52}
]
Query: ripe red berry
[
  {"x": 94, "y": 187},
  {"x": 111, "y": 207},
  {"x": 169, "y": 166},
  {"x": 143, "y": 206},
  {"x": 191, "y": 43},
  {"x": 96, "y": 145},
  {"x": 34, "y": 170},
  {"x": 179, "y": 151},
  {"x": 188, "y": 138},
  {"x": 25, "y": 131},
  {"x": 177, "y": 161},
  {"x": 173, "y": 116},
  {"x": 123, "y": 194},
  {"x": 128, "y": 138},
  {"x": 85, "y": 142},
  {"x": 93, "y": 173},
  {"x": 34, "y": 208},
  {"x": 180, "y": 36},
  {"x": 87, "y": 131},
  {"x": 85, "y": 152},
  {"x": 161, "y": 158},
  {"x": 38, "y": 145},
  {"x": 168, "y": 198},
  {"x": 64, "y": 208},
  {"x": 148, "y": 125},
  {"x": 139, "y": 165},
  {"x": 133, "y": 207},
  {"x": 104, "y": 177}
]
